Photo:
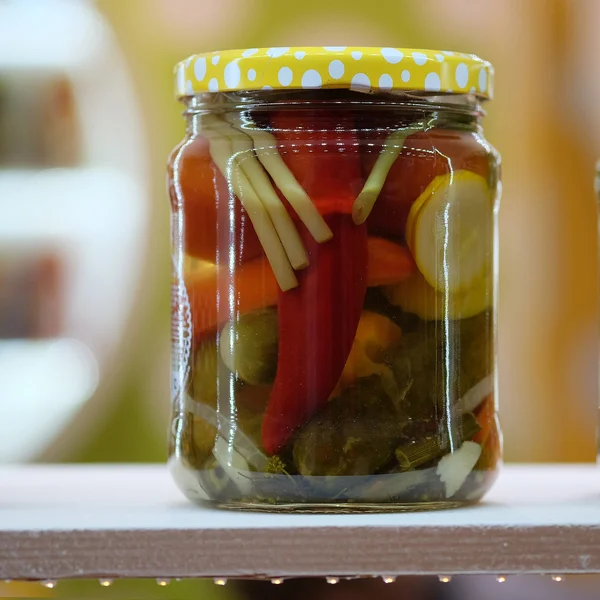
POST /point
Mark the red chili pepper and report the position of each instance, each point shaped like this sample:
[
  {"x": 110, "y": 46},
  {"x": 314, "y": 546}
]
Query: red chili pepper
[{"x": 318, "y": 319}]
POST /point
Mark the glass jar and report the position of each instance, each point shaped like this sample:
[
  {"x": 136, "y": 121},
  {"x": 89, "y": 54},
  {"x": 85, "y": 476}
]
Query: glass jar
[
  {"x": 597, "y": 190},
  {"x": 333, "y": 226}
]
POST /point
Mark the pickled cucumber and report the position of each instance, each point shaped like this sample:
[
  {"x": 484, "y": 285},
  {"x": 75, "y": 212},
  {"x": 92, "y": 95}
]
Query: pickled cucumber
[
  {"x": 441, "y": 362},
  {"x": 354, "y": 434},
  {"x": 196, "y": 438},
  {"x": 249, "y": 346},
  {"x": 205, "y": 374}
]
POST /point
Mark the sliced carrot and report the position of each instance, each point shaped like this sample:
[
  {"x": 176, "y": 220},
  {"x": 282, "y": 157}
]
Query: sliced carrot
[
  {"x": 215, "y": 295},
  {"x": 486, "y": 417}
]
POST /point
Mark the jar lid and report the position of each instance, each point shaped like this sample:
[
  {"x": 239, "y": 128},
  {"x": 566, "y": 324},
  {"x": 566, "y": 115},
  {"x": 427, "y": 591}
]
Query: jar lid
[{"x": 335, "y": 67}]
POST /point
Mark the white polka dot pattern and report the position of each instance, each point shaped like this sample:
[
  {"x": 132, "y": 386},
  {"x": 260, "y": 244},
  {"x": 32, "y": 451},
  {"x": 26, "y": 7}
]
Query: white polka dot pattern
[
  {"x": 386, "y": 82},
  {"x": 360, "y": 82},
  {"x": 200, "y": 68},
  {"x": 392, "y": 55},
  {"x": 232, "y": 75},
  {"x": 285, "y": 76},
  {"x": 181, "y": 81},
  {"x": 311, "y": 79},
  {"x": 462, "y": 75},
  {"x": 419, "y": 58},
  {"x": 482, "y": 80},
  {"x": 336, "y": 69},
  {"x": 276, "y": 52},
  {"x": 339, "y": 67},
  {"x": 433, "y": 83}
]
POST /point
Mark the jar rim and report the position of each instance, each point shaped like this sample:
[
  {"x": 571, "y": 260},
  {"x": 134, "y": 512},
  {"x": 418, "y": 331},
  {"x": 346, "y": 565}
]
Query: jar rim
[
  {"x": 336, "y": 100},
  {"x": 366, "y": 69}
]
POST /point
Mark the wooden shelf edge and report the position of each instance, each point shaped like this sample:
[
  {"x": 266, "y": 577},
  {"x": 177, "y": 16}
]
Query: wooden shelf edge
[
  {"x": 312, "y": 552},
  {"x": 106, "y": 522}
]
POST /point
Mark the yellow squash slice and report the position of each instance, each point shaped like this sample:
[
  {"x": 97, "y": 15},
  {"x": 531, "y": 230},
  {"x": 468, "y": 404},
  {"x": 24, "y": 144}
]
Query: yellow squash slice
[
  {"x": 416, "y": 296},
  {"x": 450, "y": 231}
]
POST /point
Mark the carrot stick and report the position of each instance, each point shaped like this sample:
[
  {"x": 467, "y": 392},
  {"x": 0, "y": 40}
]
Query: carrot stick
[
  {"x": 214, "y": 293},
  {"x": 486, "y": 419}
]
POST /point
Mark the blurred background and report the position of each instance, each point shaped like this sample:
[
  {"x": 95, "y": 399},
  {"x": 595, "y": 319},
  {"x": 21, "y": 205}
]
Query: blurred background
[{"x": 88, "y": 117}]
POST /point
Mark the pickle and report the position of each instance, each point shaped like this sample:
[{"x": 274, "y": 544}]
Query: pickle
[
  {"x": 244, "y": 444},
  {"x": 419, "y": 452},
  {"x": 477, "y": 351},
  {"x": 250, "y": 423},
  {"x": 441, "y": 361},
  {"x": 196, "y": 438},
  {"x": 249, "y": 346},
  {"x": 205, "y": 376},
  {"x": 356, "y": 433}
]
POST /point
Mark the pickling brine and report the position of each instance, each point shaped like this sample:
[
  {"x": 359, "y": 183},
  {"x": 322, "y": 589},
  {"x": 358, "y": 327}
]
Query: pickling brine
[{"x": 333, "y": 226}]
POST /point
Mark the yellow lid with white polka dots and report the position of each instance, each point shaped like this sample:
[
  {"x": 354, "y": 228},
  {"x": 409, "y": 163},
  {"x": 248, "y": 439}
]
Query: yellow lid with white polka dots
[{"x": 335, "y": 67}]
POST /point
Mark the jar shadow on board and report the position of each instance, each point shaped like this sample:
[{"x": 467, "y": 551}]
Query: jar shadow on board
[{"x": 334, "y": 277}]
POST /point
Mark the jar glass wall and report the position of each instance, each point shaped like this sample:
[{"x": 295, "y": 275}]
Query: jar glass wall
[
  {"x": 597, "y": 190},
  {"x": 333, "y": 301}
]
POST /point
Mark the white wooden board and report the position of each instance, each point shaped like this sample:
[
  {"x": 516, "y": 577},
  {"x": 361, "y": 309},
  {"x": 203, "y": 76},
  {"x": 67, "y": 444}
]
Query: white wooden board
[{"x": 131, "y": 521}]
